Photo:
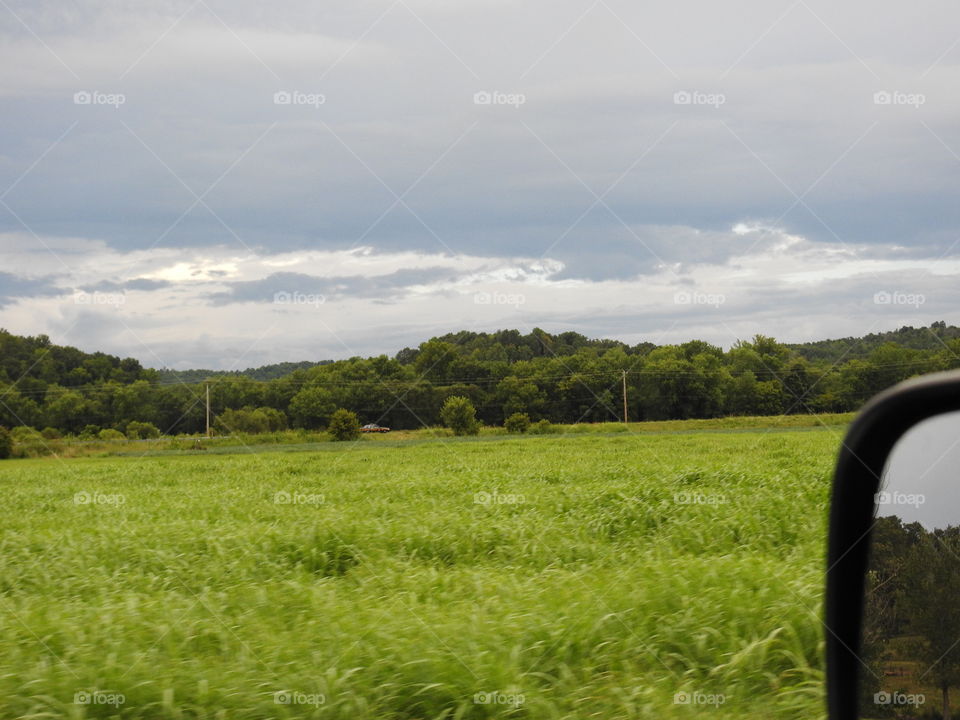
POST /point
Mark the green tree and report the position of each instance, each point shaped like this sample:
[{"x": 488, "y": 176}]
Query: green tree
[
  {"x": 435, "y": 359},
  {"x": 312, "y": 407},
  {"x": 344, "y": 425},
  {"x": 66, "y": 409},
  {"x": 931, "y": 602},
  {"x": 459, "y": 415},
  {"x": 6, "y": 443}
]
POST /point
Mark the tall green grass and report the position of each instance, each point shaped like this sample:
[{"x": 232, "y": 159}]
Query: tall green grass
[{"x": 590, "y": 576}]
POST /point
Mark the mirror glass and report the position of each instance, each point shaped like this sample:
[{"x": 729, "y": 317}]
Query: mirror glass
[{"x": 911, "y": 628}]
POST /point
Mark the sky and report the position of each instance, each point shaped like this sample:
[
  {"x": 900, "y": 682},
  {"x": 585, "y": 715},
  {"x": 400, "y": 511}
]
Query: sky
[
  {"x": 919, "y": 482},
  {"x": 230, "y": 184}
]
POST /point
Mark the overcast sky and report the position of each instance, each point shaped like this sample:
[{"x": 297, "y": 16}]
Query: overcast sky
[{"x": 228, "y": 184}]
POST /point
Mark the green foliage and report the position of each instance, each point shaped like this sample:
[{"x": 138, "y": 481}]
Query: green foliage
[
  {"x": 111, "y": 435},
  {"x": 142, "y": 430},
  {"x": 912, "y": 585},
  {"x": 459, "y": 415},
  {"x": 344, "y": 425},
  {"x": 578, "y": 570},
  {"x": 545, "y": 427},
  {"x": 51, "y": 433},
  {"x": 6, "y": 443},
  {"x": 564, "y": 378},
  {"x": 517, "y": 423},
  {"x": 251, "y": 420},
  {"x": 312, "y": 407}
]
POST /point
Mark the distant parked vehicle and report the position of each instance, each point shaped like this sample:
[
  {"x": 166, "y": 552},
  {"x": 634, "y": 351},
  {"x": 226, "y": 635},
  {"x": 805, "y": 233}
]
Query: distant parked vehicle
[{"x": 373, "y": 427}]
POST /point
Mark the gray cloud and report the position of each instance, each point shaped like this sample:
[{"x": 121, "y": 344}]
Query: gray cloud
[
  {"x": 388, "y": 287},
  {"x": 601, "y": 168},
  {"x": 136, "y": 284},
  {"x": 14, "y": 287}
]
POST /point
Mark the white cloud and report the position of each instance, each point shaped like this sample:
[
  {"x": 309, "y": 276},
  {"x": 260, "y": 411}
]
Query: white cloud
[{"x": 381, "y": 300}]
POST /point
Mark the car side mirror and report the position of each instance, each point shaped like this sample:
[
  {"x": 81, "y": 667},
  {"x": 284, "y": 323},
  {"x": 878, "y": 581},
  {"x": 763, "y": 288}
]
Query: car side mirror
[{"x": 893, "y": 560}]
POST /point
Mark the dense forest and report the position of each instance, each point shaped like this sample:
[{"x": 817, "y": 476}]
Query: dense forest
[
  {"x": 911, "y": 619},
  {"x": 564, "y": 378}
]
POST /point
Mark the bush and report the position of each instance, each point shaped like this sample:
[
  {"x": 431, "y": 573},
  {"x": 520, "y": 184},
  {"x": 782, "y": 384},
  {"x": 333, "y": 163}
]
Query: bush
[
  {"x": 6, "y": 443},
  {"x": 517, "y": 423},
  {"x": 51, "y": 433},
  {"x": 89, "y": 432},
  {"x": 24, "y": 433},
  {"x": 111, "y": 435},
  {"x": 251, "y": 421},
  {"x": 142, "y": 430},
  {"x": 28, "y": 442},
  {"x": 544, "y": 427},
  {"x": 459, "y": 415},
  {"x": 344, "y": 425}
]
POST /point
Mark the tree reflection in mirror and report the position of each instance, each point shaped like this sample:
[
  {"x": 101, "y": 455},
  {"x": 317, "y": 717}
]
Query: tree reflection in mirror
[{"x": 911, "y": 628}]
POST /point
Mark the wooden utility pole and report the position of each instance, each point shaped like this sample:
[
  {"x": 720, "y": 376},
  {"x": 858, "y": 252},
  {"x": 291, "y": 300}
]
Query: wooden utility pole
[
  {"x": 624, "y": 396},
  {"x": 208, "y": 409}
]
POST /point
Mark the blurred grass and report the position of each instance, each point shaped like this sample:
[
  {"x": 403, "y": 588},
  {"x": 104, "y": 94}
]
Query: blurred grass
[{"x": 596, "y": 575}]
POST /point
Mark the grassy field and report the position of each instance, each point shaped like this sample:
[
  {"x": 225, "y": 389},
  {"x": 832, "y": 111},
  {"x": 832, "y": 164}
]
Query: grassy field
[
  {"x": 292, "y": 440},
  {"x": 596, "y": 575}
]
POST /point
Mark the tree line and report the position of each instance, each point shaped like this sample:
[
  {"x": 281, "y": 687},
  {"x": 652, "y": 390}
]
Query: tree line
[
  {"x": 561, "y": 378},
  {"x": 911, "y": 633}
]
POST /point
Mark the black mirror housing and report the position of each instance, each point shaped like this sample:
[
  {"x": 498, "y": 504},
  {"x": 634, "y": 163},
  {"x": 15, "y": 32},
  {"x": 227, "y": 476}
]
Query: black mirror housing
[{"x": 863, "y": 455}]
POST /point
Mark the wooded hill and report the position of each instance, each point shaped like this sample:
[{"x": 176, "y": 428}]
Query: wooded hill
[{"x": 564, "y": 378}]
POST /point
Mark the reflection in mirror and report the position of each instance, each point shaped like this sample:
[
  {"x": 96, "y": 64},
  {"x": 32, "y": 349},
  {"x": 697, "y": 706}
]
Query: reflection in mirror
[{"x": 911, "y": 625}]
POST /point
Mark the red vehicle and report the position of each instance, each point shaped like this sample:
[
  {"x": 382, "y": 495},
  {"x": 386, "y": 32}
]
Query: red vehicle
[{"x": 374, "y": 428}]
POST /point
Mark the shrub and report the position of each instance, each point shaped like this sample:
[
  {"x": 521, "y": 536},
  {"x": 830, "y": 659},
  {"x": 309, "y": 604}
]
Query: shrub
[
  {"x": 344, "y": 425},
  {"x": 251, "y": 421},
  {"x": 459, "y": 415},
  {"x": 28, "y": 442},
  {"x": 22, "y": 433},
  {"x": 51, "y": 433},
  {"x": 6, "y": 443},
  {"x": 517, "y": 423},
  {"x": 544, "y": 427},
  {"x": 142, "y": 430},
  {"x": 89, "y": 432},
  {"x": 111, "y": 435}
]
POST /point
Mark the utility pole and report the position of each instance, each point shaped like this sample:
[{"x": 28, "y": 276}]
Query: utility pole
[
  {"x": 624, "y": 396},
  {"x": 208, "y": 408}
]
